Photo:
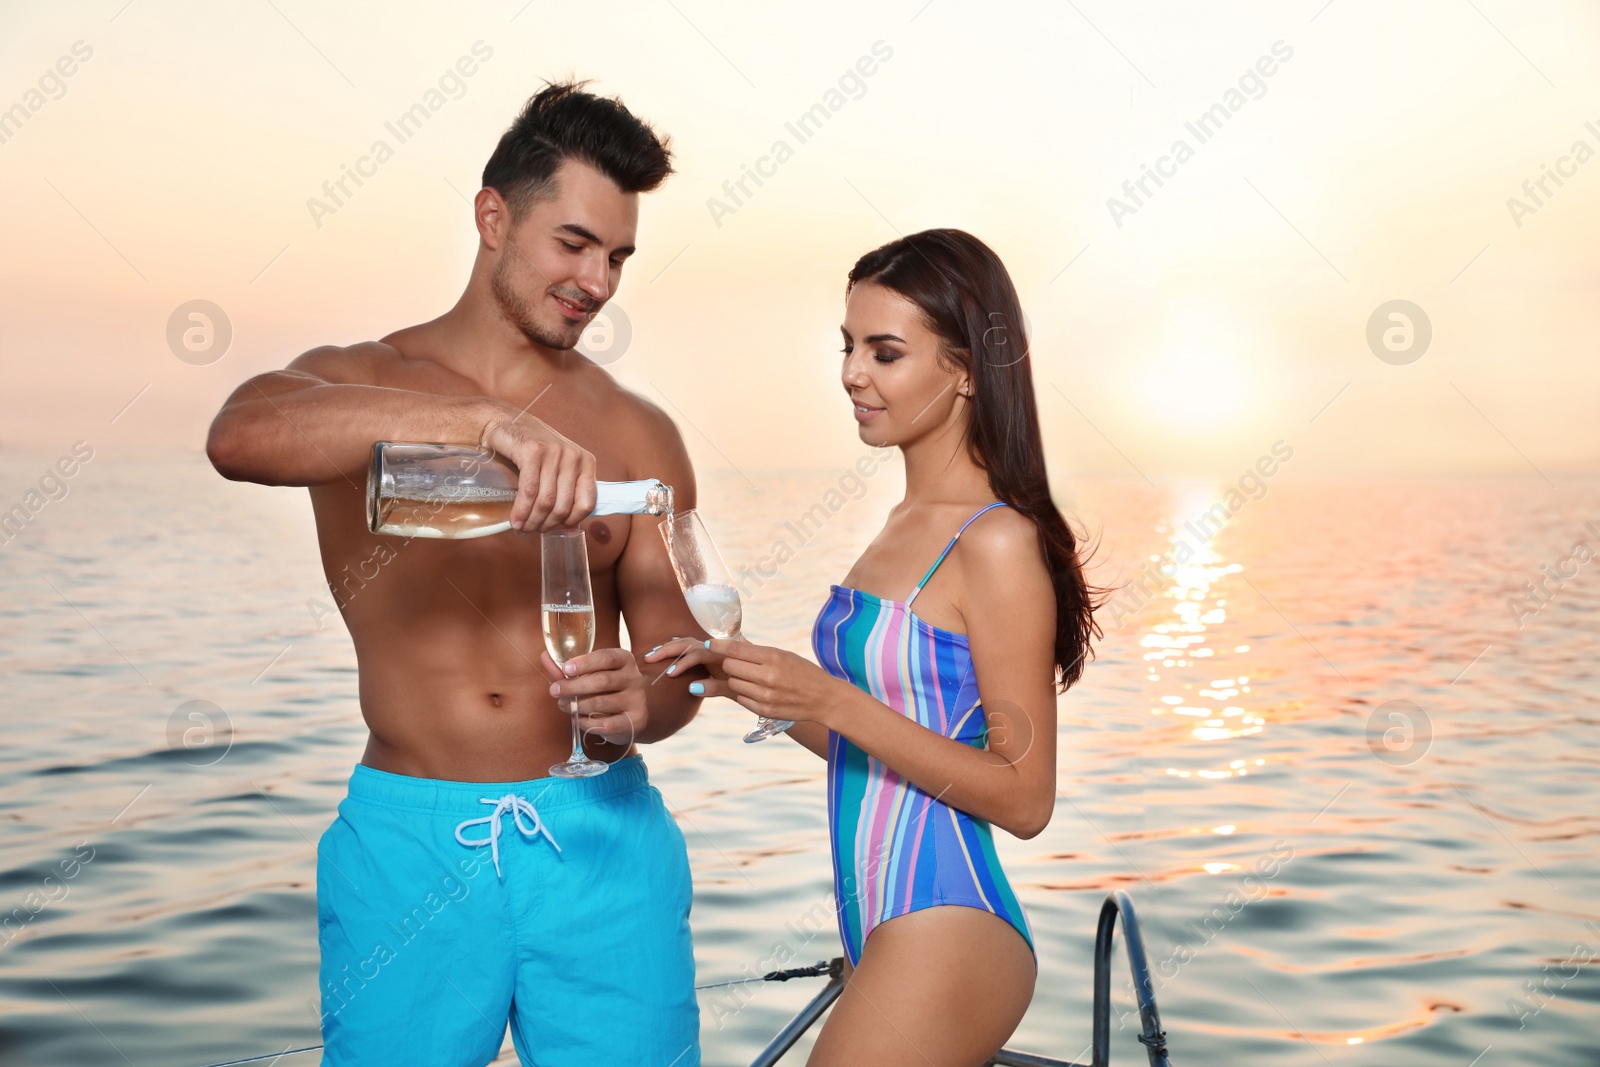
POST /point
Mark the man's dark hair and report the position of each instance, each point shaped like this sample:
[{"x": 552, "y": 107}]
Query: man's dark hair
[{"x": 563, "y": 122}]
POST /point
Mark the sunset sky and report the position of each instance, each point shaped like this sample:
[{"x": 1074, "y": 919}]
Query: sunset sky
[{"x": 1227, "y": 311}]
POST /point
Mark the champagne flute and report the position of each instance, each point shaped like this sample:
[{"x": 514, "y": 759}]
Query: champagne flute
[
  {"x": 568, "y": 616},
  {"x": 708, "y": 587}
]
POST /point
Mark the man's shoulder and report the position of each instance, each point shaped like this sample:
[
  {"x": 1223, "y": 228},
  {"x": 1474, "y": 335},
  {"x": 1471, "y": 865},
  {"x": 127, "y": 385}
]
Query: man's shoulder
[
  {"x": 637, "y": 415},
  {"x": 352, "y": 363},
  {"x": 359, "y": 364},
  {"x": 640, "y": 431}
]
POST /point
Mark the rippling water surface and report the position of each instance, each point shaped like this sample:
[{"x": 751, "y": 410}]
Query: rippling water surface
[{"x": 1353, "y": 800}]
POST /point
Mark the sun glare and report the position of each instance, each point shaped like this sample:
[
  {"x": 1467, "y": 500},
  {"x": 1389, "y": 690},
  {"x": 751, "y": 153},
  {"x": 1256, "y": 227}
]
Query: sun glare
[{"x": 1196, "y": 377}]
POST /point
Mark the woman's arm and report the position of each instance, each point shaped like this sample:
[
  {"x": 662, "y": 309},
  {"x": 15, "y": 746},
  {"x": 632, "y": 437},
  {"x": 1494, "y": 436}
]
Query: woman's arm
[
  {"x": 810, "y": 735},
  {"x": 1008, "y": 605}
]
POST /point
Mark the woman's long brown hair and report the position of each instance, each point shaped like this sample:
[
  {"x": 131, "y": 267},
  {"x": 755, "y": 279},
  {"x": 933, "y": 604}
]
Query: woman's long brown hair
[{"x": 966, "y": 295}]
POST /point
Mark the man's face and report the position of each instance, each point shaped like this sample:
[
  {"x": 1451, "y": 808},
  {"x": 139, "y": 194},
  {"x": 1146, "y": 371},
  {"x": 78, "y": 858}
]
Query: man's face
[{"x": 562, "y": 261}]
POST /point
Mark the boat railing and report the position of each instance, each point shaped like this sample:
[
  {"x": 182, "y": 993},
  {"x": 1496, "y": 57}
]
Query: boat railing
[{"x": 1151, "y": 1036}]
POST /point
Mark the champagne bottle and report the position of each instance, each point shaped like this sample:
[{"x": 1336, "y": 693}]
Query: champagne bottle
[{"x": 456, "y": 491}]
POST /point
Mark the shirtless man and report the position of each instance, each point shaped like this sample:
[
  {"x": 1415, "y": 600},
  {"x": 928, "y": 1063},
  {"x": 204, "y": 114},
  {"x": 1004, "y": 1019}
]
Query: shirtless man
[{"x": 563, "y": 907}]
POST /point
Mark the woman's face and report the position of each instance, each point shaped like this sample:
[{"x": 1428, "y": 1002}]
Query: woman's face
[{"x": 901, "y": 389}]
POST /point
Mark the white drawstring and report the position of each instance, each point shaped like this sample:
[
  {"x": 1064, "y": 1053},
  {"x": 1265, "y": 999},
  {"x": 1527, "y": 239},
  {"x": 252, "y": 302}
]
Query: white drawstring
[{"x": 517, "y": 806}]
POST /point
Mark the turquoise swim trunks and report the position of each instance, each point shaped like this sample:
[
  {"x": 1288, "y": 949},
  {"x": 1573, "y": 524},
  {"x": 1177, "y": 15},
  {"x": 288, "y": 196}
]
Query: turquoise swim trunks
[{"x": 445, "y": 909}]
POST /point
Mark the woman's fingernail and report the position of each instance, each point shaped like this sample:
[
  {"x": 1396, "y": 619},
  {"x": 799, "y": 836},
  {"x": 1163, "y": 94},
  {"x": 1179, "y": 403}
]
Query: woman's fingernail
[
  {"x": 653, "y": 651},
  {"x": 708, "y": 643},
  {"x": 672, "y": 668},
  {"x": 555, "y": 690},
  {"x": 697, "y": 689}
]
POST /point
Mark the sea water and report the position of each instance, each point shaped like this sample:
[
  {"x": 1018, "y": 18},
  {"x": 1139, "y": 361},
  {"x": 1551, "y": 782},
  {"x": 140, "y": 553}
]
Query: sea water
[{"x": 1349, "y": 788}]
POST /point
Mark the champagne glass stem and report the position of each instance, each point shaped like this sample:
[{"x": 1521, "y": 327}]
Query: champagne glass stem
[
  {"x": 578, "y": 765},
  {"x": 765, "y": 727},
  {"x": 578, "y": 755}
]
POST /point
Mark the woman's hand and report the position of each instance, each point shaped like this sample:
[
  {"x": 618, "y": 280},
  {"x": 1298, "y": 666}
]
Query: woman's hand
[
  {"x": 678, "y": 657},
  {"x": 777, "y": 683}
]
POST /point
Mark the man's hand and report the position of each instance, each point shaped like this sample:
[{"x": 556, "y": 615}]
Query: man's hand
[
  {"x": 610, "y": 692},
  {"x": 555, "y": 477}
]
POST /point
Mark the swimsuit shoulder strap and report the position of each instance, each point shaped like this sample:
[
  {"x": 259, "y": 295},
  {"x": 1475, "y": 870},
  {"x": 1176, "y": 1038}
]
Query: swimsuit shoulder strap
[{"x": 947, "y": 548}]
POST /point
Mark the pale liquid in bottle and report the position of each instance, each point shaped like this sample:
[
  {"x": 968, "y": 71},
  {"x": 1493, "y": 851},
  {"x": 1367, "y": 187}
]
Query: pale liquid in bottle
[
  {"x": 452, "y": 511},
  {"x": 462, "y": 511}
]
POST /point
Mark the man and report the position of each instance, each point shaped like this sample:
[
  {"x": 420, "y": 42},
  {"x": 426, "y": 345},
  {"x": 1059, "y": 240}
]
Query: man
[{"x": 564, "y": 906}]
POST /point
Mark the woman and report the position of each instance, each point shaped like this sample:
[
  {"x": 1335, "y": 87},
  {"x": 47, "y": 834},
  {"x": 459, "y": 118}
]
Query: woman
[{"x": 940, "y": 723}]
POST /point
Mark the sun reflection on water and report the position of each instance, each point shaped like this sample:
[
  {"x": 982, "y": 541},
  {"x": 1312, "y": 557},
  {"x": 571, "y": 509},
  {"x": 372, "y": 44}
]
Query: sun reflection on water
[{"x": 1186, "y": 653}]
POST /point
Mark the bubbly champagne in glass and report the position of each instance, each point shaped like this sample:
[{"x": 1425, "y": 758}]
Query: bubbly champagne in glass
[
  {"x": 568, "y": 631},
  {"x": 715, "y": 607},
  {"x": 709, "y": 590}
]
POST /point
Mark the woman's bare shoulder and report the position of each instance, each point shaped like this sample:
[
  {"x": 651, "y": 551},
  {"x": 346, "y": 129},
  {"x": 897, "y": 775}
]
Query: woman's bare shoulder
[{"x": 1001, "y": 550}]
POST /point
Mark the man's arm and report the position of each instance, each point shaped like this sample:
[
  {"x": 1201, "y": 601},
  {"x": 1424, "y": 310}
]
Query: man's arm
[
  {"x": 315, "y": 422},
  {"x": 652, "y": 604}
]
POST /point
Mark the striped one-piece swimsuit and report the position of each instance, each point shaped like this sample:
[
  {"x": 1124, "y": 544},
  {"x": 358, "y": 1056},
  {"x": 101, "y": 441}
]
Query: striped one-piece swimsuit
[{"x": 896, "y": 849}]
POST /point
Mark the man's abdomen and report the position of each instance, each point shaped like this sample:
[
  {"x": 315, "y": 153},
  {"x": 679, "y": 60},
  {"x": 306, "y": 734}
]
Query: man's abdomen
[{"x": 476, "y": 708}]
